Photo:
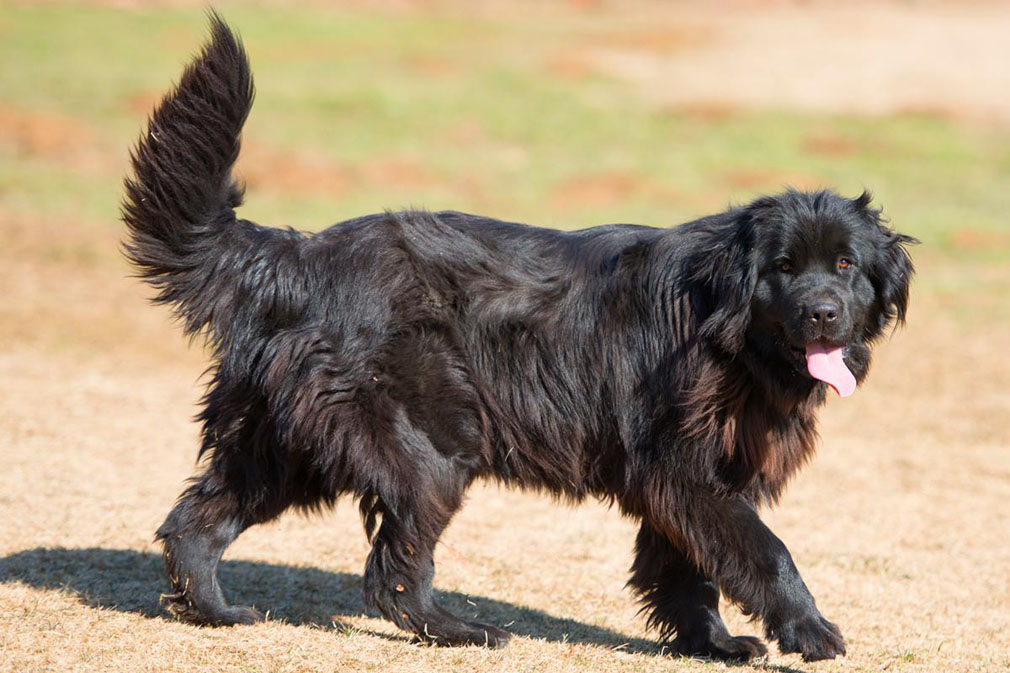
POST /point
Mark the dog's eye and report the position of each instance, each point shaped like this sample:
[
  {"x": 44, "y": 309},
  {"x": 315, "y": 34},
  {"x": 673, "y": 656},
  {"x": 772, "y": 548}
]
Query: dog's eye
[
  {"x": 785, "y": 267},
  {"x": 844, "y": 263}
]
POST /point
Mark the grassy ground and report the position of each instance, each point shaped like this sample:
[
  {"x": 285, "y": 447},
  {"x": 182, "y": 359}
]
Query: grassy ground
[{"x": 900, "y": 527}]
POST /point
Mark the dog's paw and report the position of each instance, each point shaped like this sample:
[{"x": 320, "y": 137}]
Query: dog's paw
[
  {"x": 724, "y": 647},
  {"x": 489, "y": 636},
  {"x": 812, "y": 636},
  {"x": 238, "y": 614},
  {"x": 464, "y": 633},
  {"x": 225, "y": 615}
]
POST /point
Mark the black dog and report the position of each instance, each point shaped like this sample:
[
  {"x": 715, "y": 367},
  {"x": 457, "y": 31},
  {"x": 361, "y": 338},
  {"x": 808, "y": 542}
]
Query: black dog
[{"x": 399, "y": 357}]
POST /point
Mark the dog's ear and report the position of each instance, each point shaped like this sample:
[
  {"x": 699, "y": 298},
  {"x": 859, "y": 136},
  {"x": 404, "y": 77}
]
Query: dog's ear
[
  {"x": 727, "y": 264},
  {"x": 891, "y": 271}
]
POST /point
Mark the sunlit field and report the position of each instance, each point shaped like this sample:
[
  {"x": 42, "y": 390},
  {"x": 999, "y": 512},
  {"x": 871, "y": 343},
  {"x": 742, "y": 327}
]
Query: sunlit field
[{"x": 557, "y": 114}]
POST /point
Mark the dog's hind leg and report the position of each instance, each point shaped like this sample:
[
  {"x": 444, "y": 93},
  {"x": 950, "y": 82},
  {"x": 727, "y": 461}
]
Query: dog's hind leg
[
  {"x": 683, "y": 603},
  {"x": 399, "y": 573},
  {"x": 206, "y": 519},
  {"x": 416, "y": 491},
  {"x": 195, "y": 535}
]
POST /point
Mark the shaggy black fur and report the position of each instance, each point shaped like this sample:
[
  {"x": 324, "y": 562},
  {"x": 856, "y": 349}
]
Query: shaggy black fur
[{"x": 399, "y": 357}]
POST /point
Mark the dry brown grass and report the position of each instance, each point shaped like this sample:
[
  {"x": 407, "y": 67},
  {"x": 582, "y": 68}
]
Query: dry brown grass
[{"x": 900, "y": 526}]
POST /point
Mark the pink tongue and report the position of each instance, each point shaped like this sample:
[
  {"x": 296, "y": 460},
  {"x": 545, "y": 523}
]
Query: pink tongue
[{"x": 825, "y": 364}]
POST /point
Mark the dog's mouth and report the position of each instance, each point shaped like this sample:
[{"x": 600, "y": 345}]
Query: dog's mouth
[{"x": 825, "y": 361}]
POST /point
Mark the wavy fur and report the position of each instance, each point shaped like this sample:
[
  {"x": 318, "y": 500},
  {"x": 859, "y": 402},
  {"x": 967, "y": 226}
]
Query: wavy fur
[{"x": 399, "y": 357}]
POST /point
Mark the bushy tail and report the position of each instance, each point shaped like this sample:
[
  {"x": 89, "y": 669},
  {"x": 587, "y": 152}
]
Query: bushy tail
[{"x": 179, "y": 206}]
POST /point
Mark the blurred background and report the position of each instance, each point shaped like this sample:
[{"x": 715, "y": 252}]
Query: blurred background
[{"x": 561, "y": 114}]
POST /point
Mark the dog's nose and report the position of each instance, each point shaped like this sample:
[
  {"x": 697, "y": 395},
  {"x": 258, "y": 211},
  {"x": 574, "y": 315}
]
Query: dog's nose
[{"x": 823, "y": 312}]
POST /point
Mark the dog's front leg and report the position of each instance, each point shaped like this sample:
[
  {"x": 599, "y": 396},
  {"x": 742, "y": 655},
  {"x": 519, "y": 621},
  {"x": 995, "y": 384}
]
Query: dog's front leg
[
  {"x": 726, "y": 538},
  {"x": 683, "y": 604}
]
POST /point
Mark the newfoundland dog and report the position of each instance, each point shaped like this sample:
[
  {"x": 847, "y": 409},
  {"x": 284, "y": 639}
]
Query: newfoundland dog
[{"x": 399, "y": 357}]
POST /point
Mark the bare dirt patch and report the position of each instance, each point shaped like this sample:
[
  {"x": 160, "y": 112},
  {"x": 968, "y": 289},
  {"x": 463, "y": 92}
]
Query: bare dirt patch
[
  {"x": 272, "y": 170},
  {"x": 275, "y": 171},
  {"x": 829, "y": 144},
  {"x": 608, "y": 189},
  {"x": 973, "y": 240},
  {"x": 430, "y": 66},
  {"x": 601, "y": 189},
  {"x": 570, "y": 64},
  {"x": 398, "y": 173},
  {"x": 142, "y": 104},
  {"x": 860, "y": 58},
  {"x": 667, "y": 39},
  {"x": 38, "y": 133}
]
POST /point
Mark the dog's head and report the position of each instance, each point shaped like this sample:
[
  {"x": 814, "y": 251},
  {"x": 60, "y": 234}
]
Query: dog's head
[{"x": 807, "y": 281}]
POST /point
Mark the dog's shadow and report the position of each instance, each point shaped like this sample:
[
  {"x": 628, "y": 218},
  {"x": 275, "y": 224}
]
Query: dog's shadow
[{"x": 130, "y": 581}]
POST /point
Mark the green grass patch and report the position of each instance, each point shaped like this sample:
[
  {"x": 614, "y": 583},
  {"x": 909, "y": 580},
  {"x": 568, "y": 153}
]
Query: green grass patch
[{"x": 473, "y": 103}]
